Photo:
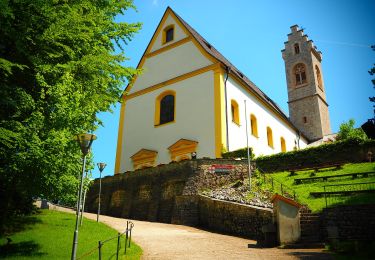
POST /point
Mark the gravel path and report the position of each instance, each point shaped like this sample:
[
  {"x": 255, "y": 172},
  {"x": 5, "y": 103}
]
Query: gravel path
[{"x": 166, "y": 241}]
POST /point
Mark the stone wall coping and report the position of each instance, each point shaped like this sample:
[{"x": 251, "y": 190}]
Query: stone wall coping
[{"x": 238, "y": 204}]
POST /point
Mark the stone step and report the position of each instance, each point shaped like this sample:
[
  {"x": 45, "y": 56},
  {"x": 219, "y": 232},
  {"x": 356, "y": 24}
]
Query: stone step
[
  {"x": 315, "y": 228},
  {"x": 309, "y": 218},
  {"x": 310, "y": 224},
  {"x": 301, "y": 244},
  {"x": 310, "y": 236},
  {"x": 309, "y": 221},
  {"x": 306, "y": 234},
  {"x": 309, "y": 215}
]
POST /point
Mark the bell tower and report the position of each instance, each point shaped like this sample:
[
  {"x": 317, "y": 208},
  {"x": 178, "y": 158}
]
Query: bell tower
[{"x": 308, "y": 108}]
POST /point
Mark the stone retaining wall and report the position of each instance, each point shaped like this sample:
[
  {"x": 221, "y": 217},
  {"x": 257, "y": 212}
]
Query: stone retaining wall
[
  {"x": 352, "y": 222},
  {"x": 233, "y": 218},
  {"x": 169, "y": 194},
  {"x": 221, "y": 216},
  {"x": 149, "y": 194}
]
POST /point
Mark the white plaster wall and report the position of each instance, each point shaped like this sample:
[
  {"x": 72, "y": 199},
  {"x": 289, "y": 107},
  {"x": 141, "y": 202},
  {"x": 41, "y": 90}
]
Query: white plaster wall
[
  {"x": 170, "y": 64},
  {"x": 179, "y": 34},
  {"x": 237, "y": 134},
  {"x": 194, "y": 120}
]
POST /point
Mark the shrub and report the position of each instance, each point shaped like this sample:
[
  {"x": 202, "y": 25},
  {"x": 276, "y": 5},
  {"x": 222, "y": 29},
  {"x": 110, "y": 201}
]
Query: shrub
[
  {"x": 347, "y": 131},
  {"x": 350, "y": 150},
  {"x": 240, "y": 153}
]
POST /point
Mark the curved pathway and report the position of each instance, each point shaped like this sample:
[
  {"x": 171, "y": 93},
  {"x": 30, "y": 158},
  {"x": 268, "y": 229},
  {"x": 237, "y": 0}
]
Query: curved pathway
[{"x": 167, "y": 241}]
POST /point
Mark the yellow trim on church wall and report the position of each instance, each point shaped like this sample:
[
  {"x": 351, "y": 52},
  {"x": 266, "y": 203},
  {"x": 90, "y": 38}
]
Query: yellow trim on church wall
[
  {"x": 196, "y": 43},
  {"x": 119, "y": 137},
  {"x": 172, "y": 81},
  {"x": 219, "y": 96},
  {"x": 169, "y": 47},
  {"x": 144, "y": 158},
  {"x": 149, "y": 54},
  {"x": 182, "y": 149}
]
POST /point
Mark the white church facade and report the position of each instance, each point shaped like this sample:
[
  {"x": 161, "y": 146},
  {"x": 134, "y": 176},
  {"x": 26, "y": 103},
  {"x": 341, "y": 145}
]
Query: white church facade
[{"x": 191, "y": 100}]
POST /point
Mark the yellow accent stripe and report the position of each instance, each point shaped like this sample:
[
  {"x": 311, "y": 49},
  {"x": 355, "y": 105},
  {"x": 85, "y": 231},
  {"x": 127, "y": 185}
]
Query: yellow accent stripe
[
  {"x": 172, "y": 81},
  {"x": 147, "y": 53},
  {"x": 168, "y": 47},
  {"x": 219, "y": 103},
  {"x": 119, "y": 138}
]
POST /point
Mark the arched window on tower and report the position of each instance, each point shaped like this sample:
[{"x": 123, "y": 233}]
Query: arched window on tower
[
  {"x": 296, "y": 48},
  {"x": 300, "y": 74},
  {"x": 254, "y": 125},
  {"x": 319, "y": 77},
  {"x": 165, "y": 108},
  {"x": 269, "y": 137}
]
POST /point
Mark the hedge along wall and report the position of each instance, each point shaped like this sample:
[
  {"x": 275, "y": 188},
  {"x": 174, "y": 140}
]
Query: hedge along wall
[{"x": 348, "y": 151}]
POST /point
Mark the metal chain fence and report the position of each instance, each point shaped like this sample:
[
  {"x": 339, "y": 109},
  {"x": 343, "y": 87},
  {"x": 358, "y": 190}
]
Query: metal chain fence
[{"x": 127, "y": 234}]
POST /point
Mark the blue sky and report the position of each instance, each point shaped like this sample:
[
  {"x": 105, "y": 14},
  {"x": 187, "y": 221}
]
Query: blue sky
[{"x": 251, "y": 34}]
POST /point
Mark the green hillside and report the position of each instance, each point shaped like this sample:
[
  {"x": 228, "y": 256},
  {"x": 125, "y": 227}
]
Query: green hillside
[
  {"x": 264, "y": 186},
  {"x": 287, "y": 182}
]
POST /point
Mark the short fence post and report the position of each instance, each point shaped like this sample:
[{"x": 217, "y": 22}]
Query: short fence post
[
  {"x": 100, "y": 250},
  {"x": 294, "y": 195},
  {"x": 118, "y": 244},
  {"x": 130, "y": 235},
  {"x": 281, "y": 186},
  {"x": 325, "y": 195},
  {"x": 272, "y": 182},
  {"x": 126, "y": 236}
]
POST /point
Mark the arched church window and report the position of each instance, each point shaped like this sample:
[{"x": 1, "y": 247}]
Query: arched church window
[
  {"x": 254, "y": 125},
  {"x": 296, "y": 48},
  {"x": 319, "y": 77},
  {"x": 165, "y": 108},
  {"x": 282, "y": 143},
  {"x": 235, "y": 112},
  {"x": 269, "y": 137},
  {"x": 300, "y": 74}
]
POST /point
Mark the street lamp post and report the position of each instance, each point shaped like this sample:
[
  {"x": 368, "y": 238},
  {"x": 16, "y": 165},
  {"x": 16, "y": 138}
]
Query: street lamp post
[
  {"x": 85, "y": 142},
  {"x": 101, "y": 167},
  {"x": 248, "y": 151},
  {"x": 84, "y": 200}
]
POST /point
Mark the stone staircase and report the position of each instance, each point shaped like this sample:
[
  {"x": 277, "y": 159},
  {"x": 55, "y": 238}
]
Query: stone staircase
[{"x": 311, "y": 230}]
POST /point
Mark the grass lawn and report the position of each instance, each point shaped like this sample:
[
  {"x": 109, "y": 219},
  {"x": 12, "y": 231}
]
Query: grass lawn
[
  {"x": 49, "y": 235},
  {"x": 303, "y": 190}
]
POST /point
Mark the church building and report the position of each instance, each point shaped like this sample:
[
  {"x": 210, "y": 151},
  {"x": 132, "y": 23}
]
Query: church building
[{"x": 191, "y": 101}]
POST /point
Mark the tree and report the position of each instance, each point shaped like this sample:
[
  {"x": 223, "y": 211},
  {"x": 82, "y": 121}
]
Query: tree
[
  {"x": 372, "y": 73},
  {"x": 58, "y": 68},
  {"x": 347, "y": 131}
]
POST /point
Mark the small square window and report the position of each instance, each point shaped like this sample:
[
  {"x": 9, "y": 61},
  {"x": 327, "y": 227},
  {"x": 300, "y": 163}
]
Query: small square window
[{"x": 169, "y": 35}]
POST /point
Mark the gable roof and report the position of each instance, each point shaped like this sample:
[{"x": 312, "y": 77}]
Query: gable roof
[
  {"x": 212, "y": 51},
  {"x": 216, "y": 54}
]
